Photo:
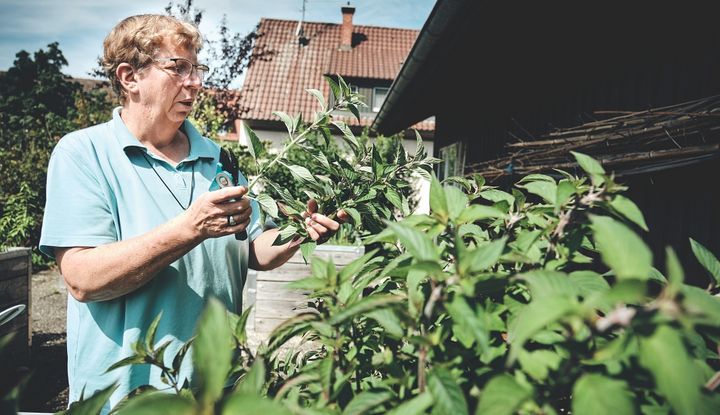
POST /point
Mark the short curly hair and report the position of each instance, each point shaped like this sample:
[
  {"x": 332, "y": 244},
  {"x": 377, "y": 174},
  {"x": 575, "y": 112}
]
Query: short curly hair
[{"x": 136, "y": 39}]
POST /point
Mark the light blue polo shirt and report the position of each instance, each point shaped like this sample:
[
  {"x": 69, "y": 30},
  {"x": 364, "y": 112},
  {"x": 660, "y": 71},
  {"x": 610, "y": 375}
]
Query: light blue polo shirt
[{"x": 100, "y": 189}]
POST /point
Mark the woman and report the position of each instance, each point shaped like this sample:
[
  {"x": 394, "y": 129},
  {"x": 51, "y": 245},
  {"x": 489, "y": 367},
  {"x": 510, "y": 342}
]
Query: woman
[{"x": 130, "y": 218}]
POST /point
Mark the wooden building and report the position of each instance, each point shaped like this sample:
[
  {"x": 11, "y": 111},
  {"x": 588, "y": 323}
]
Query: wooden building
[{"x": 499, "y": 72}]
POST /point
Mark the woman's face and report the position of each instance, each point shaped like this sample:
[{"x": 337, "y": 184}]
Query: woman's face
[{"x": 167, "y": 96}]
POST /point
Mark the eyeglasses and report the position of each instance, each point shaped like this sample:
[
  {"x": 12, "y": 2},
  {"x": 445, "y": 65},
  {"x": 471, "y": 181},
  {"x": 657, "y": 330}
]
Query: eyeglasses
[{"x": 184, "y": 68}]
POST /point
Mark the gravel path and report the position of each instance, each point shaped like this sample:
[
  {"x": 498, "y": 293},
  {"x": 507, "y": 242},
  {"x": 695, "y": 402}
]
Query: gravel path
[{"x": 47, "y": 389}]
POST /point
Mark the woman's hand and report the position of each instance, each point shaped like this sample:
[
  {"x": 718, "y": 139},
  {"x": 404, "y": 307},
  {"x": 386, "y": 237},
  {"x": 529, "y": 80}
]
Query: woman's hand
[
  {"x": 320, "y": 227},
  {"x": 219, "y": 213}
]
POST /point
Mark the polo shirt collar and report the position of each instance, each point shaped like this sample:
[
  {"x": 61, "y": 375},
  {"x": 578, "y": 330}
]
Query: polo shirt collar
[{"x": 200, "y": 147}]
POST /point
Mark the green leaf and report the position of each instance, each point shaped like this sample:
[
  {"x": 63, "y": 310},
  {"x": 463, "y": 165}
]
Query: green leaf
[
  {"x": 301, "y": 174},
  {"x": 242, "y": 404},
  {"x": 502, "y": 396},
  {"x": 354, "y": 109},
  {"x": 591, "y": 167},
  {"x": 267, "y": 204},
  {"x": 150, "y": 335},
  {"x": 549, "y": 283},
  {"x": 595, "y": 394},
  {"x": 438, "y": 203},
  {"x": 621, "y": 249},
  {"x": 158, "y": 403},
  {"x": 706, "y": 259},
  {"x": 588, "y": 283},
  {"x": 255, "y": 146},
  {"x": 355, "y": 267},
  {"x": 415, "y": 406},
  {"x": 495, "y": 195},
  {"x": 565, "y": 189},
  {"x": 254, "y": 380},
  {"x": 334, "y": 87},
  {"x": 239, "y": 323},
  {"x": 389, "y": 321},
  {"x": 348, "y": 135},
  {"x": 482, "y": 258},
  {"x": 544, "y": 189},
  {"x": 534, "y": 317},
  {"x": 419, "y": 244},
  {"x": 676, "y": 376},
  {"x": 366, "y": 401},
  {"x": 354, "y": 214},
  {"x": 92, "y": 405},
  {"x": 287, "y": 120},
  {"x": 699, "y": 301},
  {"x": 212, "y": 352},
  {"x": 393, "y": 197},
  {"x": 629, "y": 210},
  {"x": 319, "y": 96},
  {"x": 447, "y": 395},
  {"x": 477, "y": 212},
  {"x": 465, "y": 317},
  {"x": 369, "y": 303},
  {"x": 538, "y": 363},
  {"x": 307, "y": 249},
  {"x": 456, "y": 201}
]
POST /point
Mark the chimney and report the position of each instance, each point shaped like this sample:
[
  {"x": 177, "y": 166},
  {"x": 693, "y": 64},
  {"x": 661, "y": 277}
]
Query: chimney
[{"x": 346, "y": 30}]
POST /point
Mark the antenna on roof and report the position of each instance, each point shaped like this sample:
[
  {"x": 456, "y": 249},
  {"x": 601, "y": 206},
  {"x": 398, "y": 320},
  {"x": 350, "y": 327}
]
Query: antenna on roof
[{"x": 299, "y": 31}]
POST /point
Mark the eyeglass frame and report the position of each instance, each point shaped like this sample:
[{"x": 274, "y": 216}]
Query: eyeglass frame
[{"x": 197, "y": 68}]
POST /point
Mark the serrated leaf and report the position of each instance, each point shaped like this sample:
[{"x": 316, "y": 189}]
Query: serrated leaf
[
  {"x": 255, "y": 146},
  {"x": 675, "y": 273},
  {"x": 307, "y": 249},
  {"x": 456, "y": 201},
  {"x": 212, "y": 351},
  {"x": 538, "y": 363},
  {"x": 595, "y": 394},
  {"x": 389, "y": 321},
  {"x": 565, "y": 189},
  {"x": 354, "y": 214},
  {"x": 366, "y": 401},
  {"x": 464, "y": 316},
  {"x": 483, "y": 257},
  {"x": 419, "y": 244},
  {"x": 628, "y": 209},
  {"x": 591, "y": 167},
  {"x": 707, "y": 259},
  {"x": 438, "y": 203},
  {"x": 676, "y": 376},
  {"x": 319, "y": 96},
  {"x": 334, "y": 87},
  {"x": 243, "y": 404},
  {"x": 267, "y": 204},
  {"x": 150, "y": 335},
  {"x": 447, "y": 395},
  {"x": 474, "y": 213},
  {"x": 348, "y": 135},
  {"x": 354, "y": 109},
  {"x": 301, "y": 174},
  {"x": 372, "y": 302},
  {"x": 502, "y": 395},
  {"x": 393, "y": 197},
  {"x": 621, "y": 249},
  {"x": 589, "y": 283},
  {"x": 544, "y": 189},
  {"x": 415, "y": 406},
  {"x": 287, "y": 120},
  {"x": 533, "y": 317},
  {"x": 495, "y": 195},
  {"x": 157, "y": 403},
  {"x": 544, "y": 283},
  {"x": 700, "y": 302}
]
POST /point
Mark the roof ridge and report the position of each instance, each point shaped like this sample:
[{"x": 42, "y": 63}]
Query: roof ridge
[{"x": 268, "y": 19}]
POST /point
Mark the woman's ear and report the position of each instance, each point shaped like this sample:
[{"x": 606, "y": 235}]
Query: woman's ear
[{"x": 127, "y": 75}]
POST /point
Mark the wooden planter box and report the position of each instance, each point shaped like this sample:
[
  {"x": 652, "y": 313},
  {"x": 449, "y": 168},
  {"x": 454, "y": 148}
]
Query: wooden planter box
[
  {"x": 272, "y": 302},
  {"x": 15, "y": 272}
]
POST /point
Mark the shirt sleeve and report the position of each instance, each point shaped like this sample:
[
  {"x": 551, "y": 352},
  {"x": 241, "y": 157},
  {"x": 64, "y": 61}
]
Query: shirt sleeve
[{"x": 77, "y": 209}]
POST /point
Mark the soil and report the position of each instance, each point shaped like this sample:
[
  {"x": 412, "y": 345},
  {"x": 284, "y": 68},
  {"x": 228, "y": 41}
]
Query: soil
[{"x": 47, "y": 388}]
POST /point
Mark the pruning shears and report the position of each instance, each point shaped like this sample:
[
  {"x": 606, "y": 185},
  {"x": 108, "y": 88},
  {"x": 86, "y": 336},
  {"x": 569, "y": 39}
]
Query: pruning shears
[{"x": 224, "y": 179}]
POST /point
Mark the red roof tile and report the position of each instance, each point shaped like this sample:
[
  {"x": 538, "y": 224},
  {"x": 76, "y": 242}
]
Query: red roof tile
[{"x": 282, "y": 68}]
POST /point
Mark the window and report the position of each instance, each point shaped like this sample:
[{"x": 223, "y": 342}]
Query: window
[
  {"x": 453, "y": 161},
  {"x": 379, "y": 95}
]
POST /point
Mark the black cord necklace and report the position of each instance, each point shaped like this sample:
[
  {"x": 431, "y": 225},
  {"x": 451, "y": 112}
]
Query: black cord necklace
[{"x": 192, "y": 182}]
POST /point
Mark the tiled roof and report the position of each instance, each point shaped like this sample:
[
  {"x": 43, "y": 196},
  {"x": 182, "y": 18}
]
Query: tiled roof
[{"x": 282, "y": 68}]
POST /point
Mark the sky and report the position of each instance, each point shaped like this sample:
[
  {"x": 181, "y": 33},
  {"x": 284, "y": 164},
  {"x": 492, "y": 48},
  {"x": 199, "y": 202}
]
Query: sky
[{"x": 81, "y": 25}]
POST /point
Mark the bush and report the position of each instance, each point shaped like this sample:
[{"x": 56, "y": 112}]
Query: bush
[{"x": 540, "y": 301}]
